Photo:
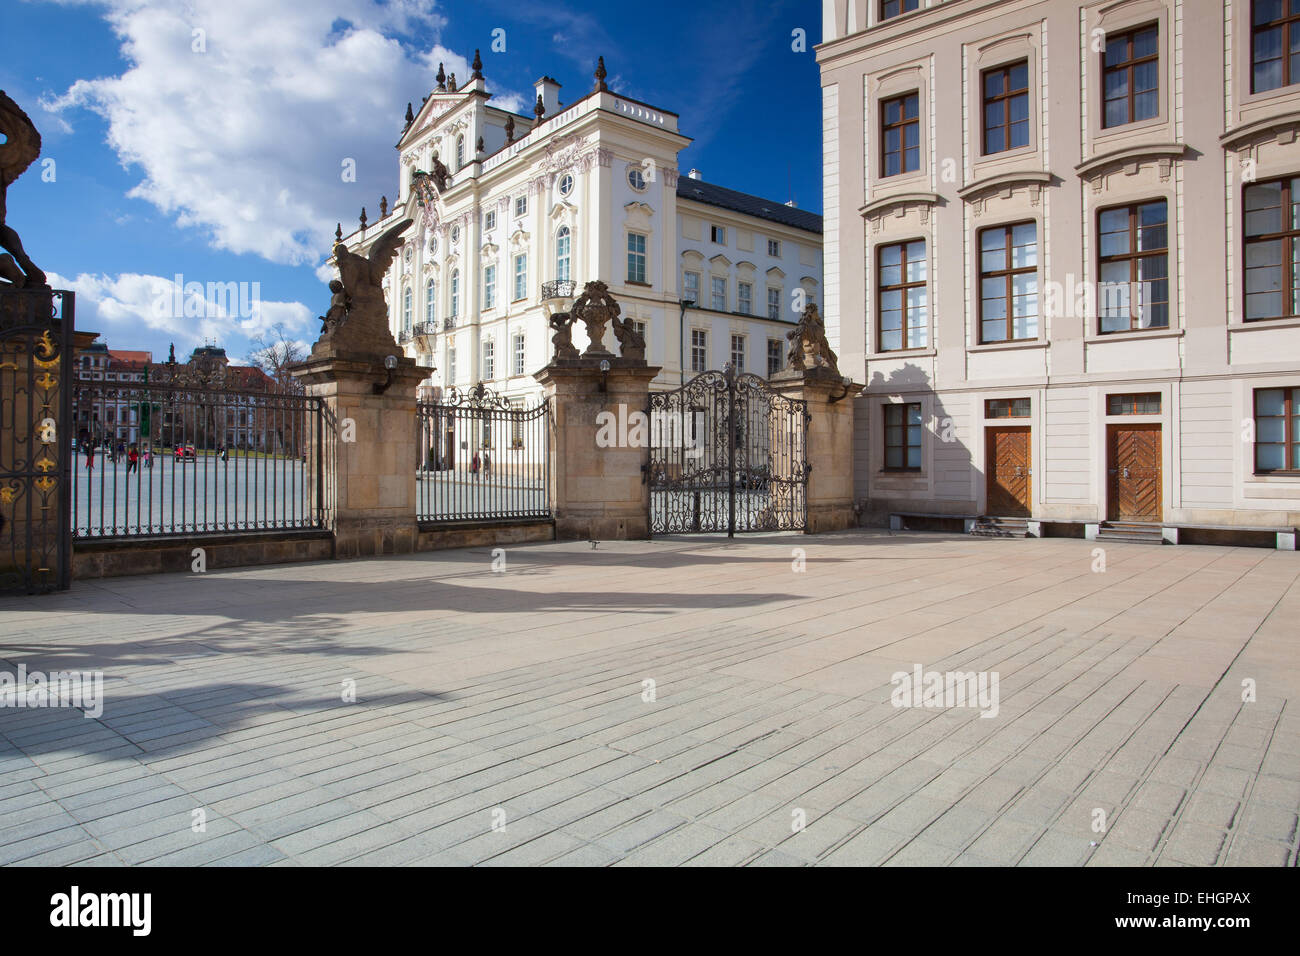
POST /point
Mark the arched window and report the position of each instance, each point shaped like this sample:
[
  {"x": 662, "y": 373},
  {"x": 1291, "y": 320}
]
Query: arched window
[
  {"x": 455, "y": 294},
  {"x": 562, "y": 271},
  {"x": 430, "y": 298},
  {"x": 406, "y": 309},
  {"x": 460, "y": 153}
]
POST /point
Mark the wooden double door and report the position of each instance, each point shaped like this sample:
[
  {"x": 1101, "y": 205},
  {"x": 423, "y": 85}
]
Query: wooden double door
[
  {"x": 1133, "y": 470},
  {"x": 1009, "y": 477}
]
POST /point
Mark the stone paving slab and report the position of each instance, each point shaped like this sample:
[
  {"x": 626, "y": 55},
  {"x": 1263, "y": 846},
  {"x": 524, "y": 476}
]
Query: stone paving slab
[{"x": 686, "y": 701}]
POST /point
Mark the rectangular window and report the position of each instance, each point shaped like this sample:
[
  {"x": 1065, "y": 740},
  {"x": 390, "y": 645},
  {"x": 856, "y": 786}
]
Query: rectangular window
[
  {"x": 1006, "y": 408},
  {"x": 1130, "y": 76},
  {"x": 774, "y": 248},
  {"x": 773, "y": 303},
  {"x": 517, "y": 423},
  {"x": 636, "y": 258},
  {"x": 900, "y": 135},
  {"x": 903, "y": 307},
  {"x": 639, "y": 327},
  {"x": 1272, "y": 250},
  {"x": 1135, "y": 403},
  {"x": 903, "y": 437},
  {"x": 745, "y": 298},
  {"x": 1006, "y": 107},
  {"x": 521, "y": 277},
  {"x": 489, "y": 363},
  {"x": 489, "y": 220},
  {"x": 1134, "y": 268},
  {"x": 1009, "y": 282},
  {"x": 738, "y": 353},
  {"x": 489, "y": 287},
  {"x": 1274, "y": 44},
  {"x": 519, "y": 353},
  {"x": 718, "y": 294},
  {"x": 773, "y": 356},
  {"x": 691, "y": 287},
  {"x": 719, "y": 234},
  {"x": 1277, "y": 430},
  {"x": 521, "y": 206},
  {"x": 699, "y": 350},
  {"x": 892, "y": 8}
]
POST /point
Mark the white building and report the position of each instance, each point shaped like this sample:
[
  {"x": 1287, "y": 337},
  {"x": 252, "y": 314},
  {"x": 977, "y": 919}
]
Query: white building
[{"x": 534, "y": 206}]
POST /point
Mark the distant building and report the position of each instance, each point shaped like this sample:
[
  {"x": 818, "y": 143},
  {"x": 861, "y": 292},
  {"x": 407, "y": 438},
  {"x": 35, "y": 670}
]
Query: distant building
[
  {"x": 533, "y": 206},
  {"x": 222, "y": 405}
]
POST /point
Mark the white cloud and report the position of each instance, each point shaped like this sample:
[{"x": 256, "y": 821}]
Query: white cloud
[
  {"x": 246, "y": 138},
  {"x": 188, "y": 312}
]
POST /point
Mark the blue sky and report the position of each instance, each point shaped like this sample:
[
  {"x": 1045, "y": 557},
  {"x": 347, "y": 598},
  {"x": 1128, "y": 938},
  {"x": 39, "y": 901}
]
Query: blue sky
[{"x": 205, "y": 137}]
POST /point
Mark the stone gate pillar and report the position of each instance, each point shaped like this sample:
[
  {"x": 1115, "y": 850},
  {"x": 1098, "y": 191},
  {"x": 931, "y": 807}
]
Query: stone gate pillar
[
  {"x": 598, "y": 489},
  {"x": 369, "y": 450},
  {"x": 829, "y": 443}
]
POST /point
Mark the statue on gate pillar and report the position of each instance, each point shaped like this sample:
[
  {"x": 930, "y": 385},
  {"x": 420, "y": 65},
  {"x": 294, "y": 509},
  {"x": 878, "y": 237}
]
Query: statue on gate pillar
[
  {"x": 21, "y": 146},
  {"x": 809, "y": 348},
  {"x": 357, "y": 320}
]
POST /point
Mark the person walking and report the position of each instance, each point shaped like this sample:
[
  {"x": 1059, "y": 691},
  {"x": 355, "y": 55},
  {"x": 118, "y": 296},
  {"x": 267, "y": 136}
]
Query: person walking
[
  {"x": 132, "y": 459},
  {"x": 474, "y": 466},
  {"x": 90, "y": 456},
  {"x": 487, "y": 466},
  {"x": 148, "y": 457}
]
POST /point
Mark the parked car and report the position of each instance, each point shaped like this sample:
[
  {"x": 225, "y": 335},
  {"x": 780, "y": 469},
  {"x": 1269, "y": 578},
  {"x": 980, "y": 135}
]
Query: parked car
[{"x": 184, "y": 453}]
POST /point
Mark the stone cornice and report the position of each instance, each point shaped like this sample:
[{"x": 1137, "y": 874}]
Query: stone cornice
[
  {"x": 1244, "y": 135},
  {"x": 1032, "y": 178},
  {"x": 1163, "y": 153},
  {"x": 880, "y": 206}
]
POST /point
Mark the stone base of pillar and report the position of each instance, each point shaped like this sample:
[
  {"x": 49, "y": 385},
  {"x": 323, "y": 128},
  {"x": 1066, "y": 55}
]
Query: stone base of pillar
[
  {"x": 599, "y": 443},
  {"x": 829, "y": 444},
  {"x": 370, "y": 457}
]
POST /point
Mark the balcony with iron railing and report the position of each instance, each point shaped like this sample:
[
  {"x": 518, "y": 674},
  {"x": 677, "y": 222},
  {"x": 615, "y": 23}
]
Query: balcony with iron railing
[
  {"x": 423, "y": 333},
  {"x": 450, "y": 322},
  {"x": 404, "y": 337},
  {"x": 559, "y": 289}
]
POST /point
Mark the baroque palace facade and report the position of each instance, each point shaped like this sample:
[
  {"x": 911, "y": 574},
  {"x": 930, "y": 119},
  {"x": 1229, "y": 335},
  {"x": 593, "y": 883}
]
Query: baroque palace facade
[
  {"x": 522, "y": 210},
  {"x": 1063, "y": 253}
]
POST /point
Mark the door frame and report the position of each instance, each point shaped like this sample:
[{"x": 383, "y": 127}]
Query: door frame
[
  {"x": 1111, "y": 504},
  {"x": 996, "y": 425}
]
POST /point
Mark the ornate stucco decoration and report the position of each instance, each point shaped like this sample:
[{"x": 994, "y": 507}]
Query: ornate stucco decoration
[
  {"x": 1246, "y": 139},
  {"x": 1130, "y": 161},
  {"x": 1005, "y": 185},
  {"x": 898, "y": 205}
]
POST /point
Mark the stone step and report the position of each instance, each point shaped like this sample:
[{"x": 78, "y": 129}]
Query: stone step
[{"x": 993, "y": 527}]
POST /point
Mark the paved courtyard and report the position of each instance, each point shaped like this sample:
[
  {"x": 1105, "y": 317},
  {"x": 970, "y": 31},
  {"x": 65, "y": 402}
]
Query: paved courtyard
[{"x": 504, "y": 716}]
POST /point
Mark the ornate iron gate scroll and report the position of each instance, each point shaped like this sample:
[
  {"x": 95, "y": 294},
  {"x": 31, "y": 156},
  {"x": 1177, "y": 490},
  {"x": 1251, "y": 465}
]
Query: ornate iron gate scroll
[
  {"x": 36, "y": 352},
  {"x": 727, "y": 453}
]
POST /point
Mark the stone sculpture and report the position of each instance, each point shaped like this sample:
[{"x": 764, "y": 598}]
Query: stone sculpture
[
  {"x": 595, "y": 308},
  {"x": 562, "y": 322},
  {"x": 631, "y": 343},
  {"x": 809, "y": 347},
  {"x": 362, "y": 327},
  {"x": 21, "y": 146}
]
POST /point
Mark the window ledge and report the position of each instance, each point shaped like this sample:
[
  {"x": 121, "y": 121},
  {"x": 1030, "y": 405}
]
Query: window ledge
[
  {"x": 1133, "y": 336},
  {"x": 901, "y": 353},
  {"x": 1258, "y": 324},
  {"x": 1009, "y": 345},
  {"x": 1241, "y": 135},
  {"x": 643, "y": 285}
]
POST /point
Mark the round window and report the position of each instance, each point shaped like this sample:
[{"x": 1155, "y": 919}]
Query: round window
[
  {"x": 566, "y": 185},
  {"x": 635, "y": 179}
]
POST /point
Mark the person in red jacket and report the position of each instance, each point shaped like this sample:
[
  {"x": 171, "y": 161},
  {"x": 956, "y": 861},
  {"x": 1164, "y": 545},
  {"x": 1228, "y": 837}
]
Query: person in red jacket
[{"x": 132, "y": 459}]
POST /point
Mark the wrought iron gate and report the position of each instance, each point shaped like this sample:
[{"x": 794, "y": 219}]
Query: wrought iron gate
[
  {"x": 727, "y": 453},
  {"x": 36, "y": 352}
]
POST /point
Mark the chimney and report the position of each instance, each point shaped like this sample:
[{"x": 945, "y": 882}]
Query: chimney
[
  {"x": 695, "y": 174},
  {"x": 549, "y": 90}
]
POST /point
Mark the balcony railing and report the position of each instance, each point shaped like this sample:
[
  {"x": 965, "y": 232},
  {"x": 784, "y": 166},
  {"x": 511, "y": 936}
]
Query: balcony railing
[
  {"x": 449, "y": 323},
  {"x": 558, "y": 289},
  {"x": 404, "y": 337}
]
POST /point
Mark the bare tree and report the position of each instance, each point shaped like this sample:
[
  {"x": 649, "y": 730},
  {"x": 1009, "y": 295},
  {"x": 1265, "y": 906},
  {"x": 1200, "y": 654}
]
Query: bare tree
[{"x": 274, "y": 352}]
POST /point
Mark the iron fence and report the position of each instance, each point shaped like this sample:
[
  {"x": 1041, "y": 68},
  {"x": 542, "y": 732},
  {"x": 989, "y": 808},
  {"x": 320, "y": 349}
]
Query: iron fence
[
  {"x": 482, "y": 457},
  {"x": 156, "y": 459}
]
